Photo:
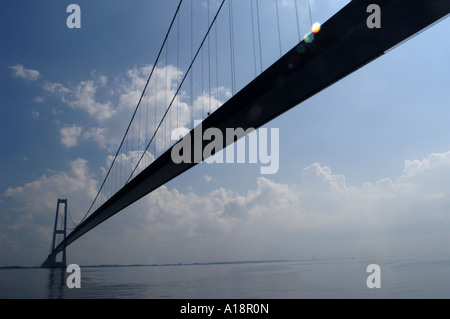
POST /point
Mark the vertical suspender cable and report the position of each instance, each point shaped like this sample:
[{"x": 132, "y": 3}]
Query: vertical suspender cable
[
  {"x": 217, "y": 68},
  {"x": 165, "y": 96},
  {"x": 146, "y": 123},
  {"x": 259, "y": 35},
  {"x": 131, "y": 149},
  {"x": 192, "y": 72},
  {"x": 278, "y": 24},
  {"x": 253, "y": 35},
  {"x": 126, "y": 159},
  {"x": 178, "y": 65},
  {"x": 203, "y": 85},
  {"x": 298, "y": 21},
  {"x": 209, "y": 65},
  {"x": 139, "y": 130},
  {"x": 310, "y": 15},
  {"x": 156, "y": 106},
  {"x": 230, "y": 7}
]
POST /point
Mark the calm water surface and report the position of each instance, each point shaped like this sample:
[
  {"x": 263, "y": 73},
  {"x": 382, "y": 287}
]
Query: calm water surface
[{"x": 413, "y": 277}]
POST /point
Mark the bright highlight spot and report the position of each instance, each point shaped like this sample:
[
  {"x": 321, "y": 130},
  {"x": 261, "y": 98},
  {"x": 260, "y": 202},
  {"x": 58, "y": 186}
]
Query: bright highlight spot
[
  {"x": 315, "y": 27},
  {"x": 309, "y": 38}
]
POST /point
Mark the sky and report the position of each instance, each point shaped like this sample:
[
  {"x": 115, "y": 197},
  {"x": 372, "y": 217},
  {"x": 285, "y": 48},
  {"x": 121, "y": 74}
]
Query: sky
[{"x": 364, "y": 165}]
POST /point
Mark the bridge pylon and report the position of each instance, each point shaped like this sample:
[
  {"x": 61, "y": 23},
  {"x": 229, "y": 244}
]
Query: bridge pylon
[{"x": 57, "y": 258}]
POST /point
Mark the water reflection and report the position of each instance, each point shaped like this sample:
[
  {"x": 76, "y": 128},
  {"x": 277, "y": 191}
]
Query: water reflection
[{"x": 56, "y": 283}]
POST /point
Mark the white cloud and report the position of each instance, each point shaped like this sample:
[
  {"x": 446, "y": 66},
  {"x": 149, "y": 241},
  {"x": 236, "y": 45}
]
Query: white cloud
[
  {"x": 55, "y": 87},
  {"x": 40, "y": 194},
  {"x": 38, "y": 99},
  {"x": 111, "y": 103},
  {"x": 27, "y": 74},
  {"x": 28, "y": 212},
  {"x": 208, "y": 178},
  {"x": 97, "y": 134},
  {"x": 35, "y": 114},
  {"x": 56, "y": 112},
  {"x": 130, "y": 87},
  {"x": 84, "y": 99},
  {"x": 101, "y": 79},
  {"x": 322, "y": 216},
  {"x": 434, "y": 161},
  {"x": 127, "y": 162},
  {"x": 70, "y": 135}
]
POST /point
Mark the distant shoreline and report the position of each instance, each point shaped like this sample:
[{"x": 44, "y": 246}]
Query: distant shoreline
[
  {"x": 194, "y": 264},
  {"x": 198, "y": 264},
  {"x": 168, "y": 265}
]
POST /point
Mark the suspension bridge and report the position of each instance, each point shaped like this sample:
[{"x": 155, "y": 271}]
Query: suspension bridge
[{"x": 236, "y": 64}]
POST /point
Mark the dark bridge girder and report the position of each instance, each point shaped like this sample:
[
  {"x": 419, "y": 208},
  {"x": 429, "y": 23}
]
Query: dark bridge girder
[{"x": 344, "y": 44}]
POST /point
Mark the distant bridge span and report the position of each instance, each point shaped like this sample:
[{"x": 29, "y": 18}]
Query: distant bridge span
[{"x": 344, "y": 44}]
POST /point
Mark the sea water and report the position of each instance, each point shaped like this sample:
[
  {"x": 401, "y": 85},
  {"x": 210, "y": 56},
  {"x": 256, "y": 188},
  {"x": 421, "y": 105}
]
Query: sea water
[{"x": 406, "y": 277}]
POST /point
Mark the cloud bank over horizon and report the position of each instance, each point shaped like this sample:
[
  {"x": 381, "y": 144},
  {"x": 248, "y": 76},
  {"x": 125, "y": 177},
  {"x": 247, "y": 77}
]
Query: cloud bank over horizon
[{"x": 321, "y": 217}]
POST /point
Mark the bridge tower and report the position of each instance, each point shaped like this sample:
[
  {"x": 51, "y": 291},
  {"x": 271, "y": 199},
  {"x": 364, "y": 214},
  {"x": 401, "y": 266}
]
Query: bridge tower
[{"x": 57, "y": 258}]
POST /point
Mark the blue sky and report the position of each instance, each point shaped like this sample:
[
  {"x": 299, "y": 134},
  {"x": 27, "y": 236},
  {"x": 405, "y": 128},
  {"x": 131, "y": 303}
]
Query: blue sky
[{"x": 364, "y": 165}]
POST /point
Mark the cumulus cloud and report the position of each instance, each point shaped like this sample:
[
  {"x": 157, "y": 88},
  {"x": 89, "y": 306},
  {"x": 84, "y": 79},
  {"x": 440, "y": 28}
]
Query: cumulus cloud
[
  {"x": 321, "y": 216},
  {"x": 27, "y": 74},
  {"x": 38, "y": 99},
  {"x": 35, "y": 114},
  {"x": 41, "y": 194},
  {"x": 128, "y": 162},
  {"x": 110, "y": 104},
  {"x": 101, "y": 79},
  {"x": 97, "y": 134},
  {"x": 70, "y": 135},
  {"x": 56, "y": 88},
  {"x": 83, "y": 97},
  {"x": 28, "y": 212}
]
